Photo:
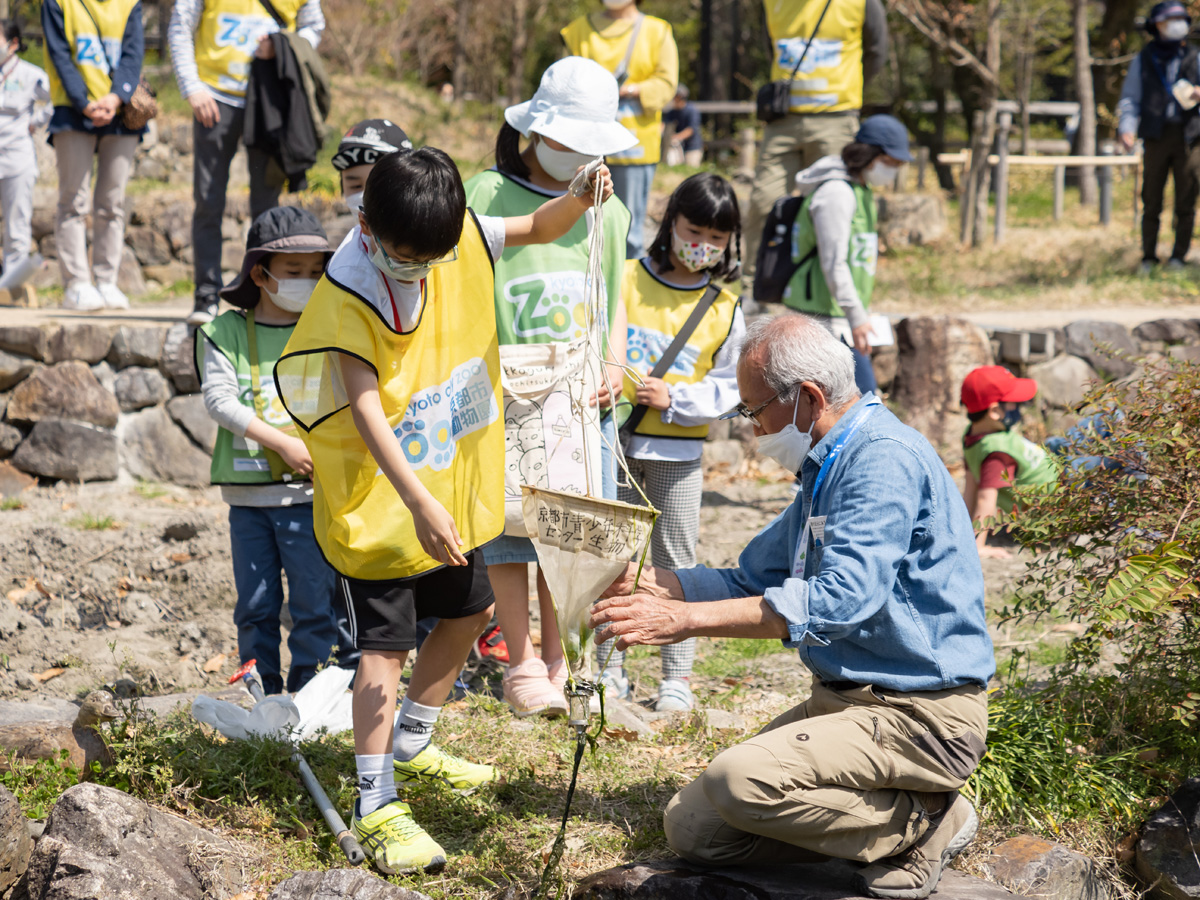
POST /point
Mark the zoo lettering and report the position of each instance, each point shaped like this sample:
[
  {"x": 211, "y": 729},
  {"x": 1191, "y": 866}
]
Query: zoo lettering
[
  {"x": 547, "y": 305},
  {"x": 438, "y": 417}
]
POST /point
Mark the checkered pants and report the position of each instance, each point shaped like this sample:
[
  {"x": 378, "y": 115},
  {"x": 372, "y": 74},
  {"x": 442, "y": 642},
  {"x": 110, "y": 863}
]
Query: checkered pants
[{"x": 674, "y": 488}]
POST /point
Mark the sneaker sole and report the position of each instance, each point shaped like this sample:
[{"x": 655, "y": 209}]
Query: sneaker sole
[
  {"x": 957, "y": 845},
  {"x": 432, "y": 867},
  {"x": 404, "y": 778}
]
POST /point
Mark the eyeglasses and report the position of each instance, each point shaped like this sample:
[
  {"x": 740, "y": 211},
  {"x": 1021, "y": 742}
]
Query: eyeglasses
[
  {"x": 404, "y": 267},
  {"x": 746, "y": 412}
]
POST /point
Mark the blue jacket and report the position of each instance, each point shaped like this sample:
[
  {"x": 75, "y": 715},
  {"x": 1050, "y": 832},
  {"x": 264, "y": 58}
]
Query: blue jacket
[{"x": 894, "y": 595}]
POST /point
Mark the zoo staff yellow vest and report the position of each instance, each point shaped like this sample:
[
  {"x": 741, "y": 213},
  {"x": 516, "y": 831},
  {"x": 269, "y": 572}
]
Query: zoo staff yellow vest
[
  {"x": 657, "y": 312},
  {"x": 606, "y": 42},
  {"x": 95, "y": 55},
  {"x": 228, "y": 35},
  {"x": 831, "y": 79},
  {"x": 439, "y": 385}
]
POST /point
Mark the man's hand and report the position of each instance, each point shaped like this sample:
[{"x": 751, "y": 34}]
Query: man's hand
[
  {"x": 436, "y": 531},
  {"x": 204, "y": 108},
  {"x": 1127, "y": 140},
  {"x": 655, "y": 582},
  {"x": 295, "y": 454},
  {"x": 862, "y": 337},
  {"x": 265, "y": 49},
  {"x": 655, "y": 393},
  {"x": 641, "y": 619}
]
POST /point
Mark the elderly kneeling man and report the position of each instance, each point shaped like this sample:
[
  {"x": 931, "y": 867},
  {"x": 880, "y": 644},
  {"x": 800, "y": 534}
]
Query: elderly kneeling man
[{"x": 872, "y": 574}]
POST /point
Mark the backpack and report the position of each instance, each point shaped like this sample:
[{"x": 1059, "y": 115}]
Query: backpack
[{"x": 774, "y": 267}]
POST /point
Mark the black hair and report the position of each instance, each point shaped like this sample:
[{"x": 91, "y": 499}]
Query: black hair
[
  {"x": 706, "y": 200},
  {"x": 415, "y": 200},
  {"x": 12, "y": 32},
  {"x": 508, "y": 153},
  {"x": 857, "y": 157},
  {"x": 974, "y": 417}
]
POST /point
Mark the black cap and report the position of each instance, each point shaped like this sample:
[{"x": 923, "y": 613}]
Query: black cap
[
  {"x": 283, "y": 229},
  {"x": 1168, "y": 9},
  {"x": 369, "y": 140}
]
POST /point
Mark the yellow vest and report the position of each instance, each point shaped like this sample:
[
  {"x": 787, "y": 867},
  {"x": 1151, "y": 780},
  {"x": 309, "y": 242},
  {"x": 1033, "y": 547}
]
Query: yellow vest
[
  {"x": 228, "y": 35},
  {"x": 656, "y": 314},
  {"x": 440, "y": 388},
  {"x": 606, "y": 41},
  {"x": 95, "y": 55},
  {"x": 831, "y": 79}
]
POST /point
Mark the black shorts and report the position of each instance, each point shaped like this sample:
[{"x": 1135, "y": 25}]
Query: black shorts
[{"x": 384, "y": 614}]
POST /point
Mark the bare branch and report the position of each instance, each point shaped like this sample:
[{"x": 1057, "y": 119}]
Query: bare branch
[{"x": 921, "y": 19}]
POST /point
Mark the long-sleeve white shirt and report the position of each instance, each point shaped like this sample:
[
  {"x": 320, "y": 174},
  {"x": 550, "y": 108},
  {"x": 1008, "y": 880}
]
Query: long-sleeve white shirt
[
  {"x": 832, "y": 210},
  {"x": 24, "y": 106}
]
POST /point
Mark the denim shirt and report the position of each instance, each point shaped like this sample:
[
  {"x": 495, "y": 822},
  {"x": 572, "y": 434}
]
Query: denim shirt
[{"x": 893, "y": 597}]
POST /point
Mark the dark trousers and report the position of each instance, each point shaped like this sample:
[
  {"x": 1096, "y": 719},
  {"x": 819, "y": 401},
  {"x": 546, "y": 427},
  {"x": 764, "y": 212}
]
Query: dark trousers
[
  {"x": 1169, "y": 154},
  {"x": 214, "y": 149}
]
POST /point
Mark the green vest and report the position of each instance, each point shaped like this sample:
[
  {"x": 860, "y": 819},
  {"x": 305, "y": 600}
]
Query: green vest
[
  {"x": 237, "y": 459},
  {"x": 807, "y": 290},
  {"x": 1035, "y": 465},
  {"x": 540, "y": 288}
]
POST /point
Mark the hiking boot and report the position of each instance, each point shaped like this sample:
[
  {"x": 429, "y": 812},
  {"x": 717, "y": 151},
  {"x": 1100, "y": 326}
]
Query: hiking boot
[
  {"x": 913, "y": 874},
  {"x": 529, "y": 690},
  {"x": 435, "y": 764},
  {"x": 674, "y": 695},
  {"x": 395, "y": 843}
]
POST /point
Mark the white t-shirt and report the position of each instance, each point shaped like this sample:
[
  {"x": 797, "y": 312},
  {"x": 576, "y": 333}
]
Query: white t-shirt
[{"x": 24, "y": 103}]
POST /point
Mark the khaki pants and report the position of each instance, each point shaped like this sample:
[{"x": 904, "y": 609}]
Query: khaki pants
[
  {"x": 789, "y": 145},
  {"x": 74, "y": 151},
  {"x": 835, "y": 776}
]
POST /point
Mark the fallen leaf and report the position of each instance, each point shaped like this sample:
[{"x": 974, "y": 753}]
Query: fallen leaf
[
  {"x": 620, "y": 734},
  {"x": 1148, "y": 755},
  {"x": 180, "y": 557},
  {"x": 49, "y": 673},
  {"x": 67, "y": 505},
  {"x": 124, "y": 584},
  {"x": 214, "y": 664},
  {"x": 113, "y": 623},
  {"x": 17, "y": 594}
]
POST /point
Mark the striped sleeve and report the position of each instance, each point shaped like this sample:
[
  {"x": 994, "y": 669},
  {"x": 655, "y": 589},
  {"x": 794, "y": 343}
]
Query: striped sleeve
[
  {"x": 310, "y": 22},
  {"x": 184, "y": 18}
]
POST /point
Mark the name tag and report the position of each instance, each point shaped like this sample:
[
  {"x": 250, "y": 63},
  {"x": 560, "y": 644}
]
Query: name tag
[{"x": 816, "y": 524}]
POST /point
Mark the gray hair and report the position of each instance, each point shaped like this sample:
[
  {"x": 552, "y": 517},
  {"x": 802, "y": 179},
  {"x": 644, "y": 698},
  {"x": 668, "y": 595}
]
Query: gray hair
[{"x": 798, "y": 348}]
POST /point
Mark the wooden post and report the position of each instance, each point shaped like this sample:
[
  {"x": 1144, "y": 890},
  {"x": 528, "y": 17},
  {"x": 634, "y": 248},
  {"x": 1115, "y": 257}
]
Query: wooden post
[
  {"x": 1137, "y": 186},
  {"x": 1105, "y": 179},
  {"x": 922, "y": 164},
  {"x": 747, "y": 148},
  {"x": 1004, "y": 126},
  {"x": 977, "y": 155},
  {"x": 1060, "y": 185}
]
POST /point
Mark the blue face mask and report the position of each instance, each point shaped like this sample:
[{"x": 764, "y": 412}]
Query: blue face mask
[{"x": 1012, "y": 417}]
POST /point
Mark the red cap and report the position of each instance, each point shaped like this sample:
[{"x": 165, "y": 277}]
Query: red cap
[{"x": 995, "y": 384}]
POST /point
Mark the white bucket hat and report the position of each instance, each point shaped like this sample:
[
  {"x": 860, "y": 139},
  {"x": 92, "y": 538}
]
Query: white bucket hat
[{"x": 575, "y": 105}]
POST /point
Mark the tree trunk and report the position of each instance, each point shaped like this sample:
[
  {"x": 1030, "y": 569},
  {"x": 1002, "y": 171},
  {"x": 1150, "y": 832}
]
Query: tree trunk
[
  {"x": 1085, "y": 94},
  {"x": 462, "y": 30},
  {"x": 975, "y": 222},
  {"x": 516, "y": 59}
]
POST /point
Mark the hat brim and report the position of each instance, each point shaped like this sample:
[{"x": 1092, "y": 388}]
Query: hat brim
[
  {"x": 904, "y": 155},
  {"x": 1020, "y": 390},
  {"x": 592, "y": 138},
  {"x": 242, "y": 292}
]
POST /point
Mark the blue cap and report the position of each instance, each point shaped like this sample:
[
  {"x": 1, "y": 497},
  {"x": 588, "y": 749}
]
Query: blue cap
[
  {"x": 887, "y": 133},
  {"x": 1168, "y": 9}
]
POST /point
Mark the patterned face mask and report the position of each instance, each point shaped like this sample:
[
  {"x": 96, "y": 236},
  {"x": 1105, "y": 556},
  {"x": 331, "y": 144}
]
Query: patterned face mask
[{"x": 696, "y": 255}]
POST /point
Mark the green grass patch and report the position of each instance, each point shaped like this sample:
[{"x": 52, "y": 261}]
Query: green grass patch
[
  {"x": 91, "y": 522},
  {"x": 729, "y": 657},
  {"x": 8, "y": 504},
  {"x": 149, "y": 490}
]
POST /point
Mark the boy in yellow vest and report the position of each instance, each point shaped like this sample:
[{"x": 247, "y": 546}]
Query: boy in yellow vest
[{"x": 392, "y": 374}]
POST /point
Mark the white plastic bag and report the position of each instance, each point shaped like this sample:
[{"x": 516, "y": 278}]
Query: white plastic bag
[
  {"x": 276, "y": 716},
  {"x": 325, "y": 703}
]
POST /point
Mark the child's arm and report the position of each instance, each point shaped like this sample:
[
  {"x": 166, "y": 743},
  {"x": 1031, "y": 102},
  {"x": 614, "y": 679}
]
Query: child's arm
[
  {"x": 985, "y": 509},
  {"x": 556, "y": 217},
  {"x": 434, "y": 525},
  {"x": 289, "y": 447}
]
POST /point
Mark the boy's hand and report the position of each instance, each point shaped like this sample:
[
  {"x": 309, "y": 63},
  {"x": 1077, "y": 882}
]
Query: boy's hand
[
  {"x": 437, "y": 532},
  {"x": 295, "y": 454}
]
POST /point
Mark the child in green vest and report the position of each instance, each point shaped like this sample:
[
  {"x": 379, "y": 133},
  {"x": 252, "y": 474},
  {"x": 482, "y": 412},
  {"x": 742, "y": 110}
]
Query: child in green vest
[
  {"x": 998, "y": 458},
  {"x": 263, "y": 468}
]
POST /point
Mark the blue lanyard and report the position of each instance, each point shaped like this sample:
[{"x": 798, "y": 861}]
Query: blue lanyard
[{"x": 835, "y": 452}]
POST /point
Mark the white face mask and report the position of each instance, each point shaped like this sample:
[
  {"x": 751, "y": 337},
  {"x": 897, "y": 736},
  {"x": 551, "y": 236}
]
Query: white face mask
[
  {"x": 1173, "y": 29},
  {"x": 879, "y": 174},
  {"x": 616, "y": 4},
  {"x": 790, "y": 446},
  {"x": 398, "y": 270},
  {"x": 354, "y": 201},
  {"x": 292, "y": 294},
  {"x": 560, "y": 165},
  {"x": 696, "y": 255}
]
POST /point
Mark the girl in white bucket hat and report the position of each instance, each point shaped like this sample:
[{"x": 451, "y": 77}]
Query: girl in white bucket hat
[{"x": 539, "y": 308}]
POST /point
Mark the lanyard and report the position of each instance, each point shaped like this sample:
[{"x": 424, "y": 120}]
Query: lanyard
[{"x": 280, "y": 470}]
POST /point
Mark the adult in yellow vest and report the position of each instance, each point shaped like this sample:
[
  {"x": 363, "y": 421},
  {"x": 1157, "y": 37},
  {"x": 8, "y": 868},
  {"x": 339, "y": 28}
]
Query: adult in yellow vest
[
  {"x": 95, "y": 49},
  {"x": 640, "y": 51},
  {"x": 212, "y": 43},
  {"x": 848, "y": 49}
]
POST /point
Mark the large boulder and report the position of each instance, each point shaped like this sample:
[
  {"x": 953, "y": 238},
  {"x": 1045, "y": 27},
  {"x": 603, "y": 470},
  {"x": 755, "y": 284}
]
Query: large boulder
[
  {"x": 911, "y": 219},
  {"x": 1063, "y": 381},
  {"x": 87, "y": 341},
  {"x": 1169, "y": 331},
  {"x": 155, "y": 449},
  {"x": 15, "y": 843},
  {"x": 1034, "y": 867},
  {"x": 935, "y": 355},
  {"x": 129, "y": 275},
  {"x": 136, "y": 345},
  {"x": 68, "y": 390},
  {"x": 178, "y": 360},
  {"x": 72, "y": 450},
  {"x": 175, "y": 222},
  {"x": 137, "y": 388},
  {"x": 14, "y": 369},
  {"x": 150, "y": 246},
  {"x": 1096, "y": 342},
  {"x": 1166, "y": 850},
  {"x": 24, "y": 340},
  {"x": 10, "y": 437},
  {"x": 102, "y": 843},
  {"x": 13, "y": 481},
  {"x": 338, "y": 884},
  {"x": 188, "y": 412}
]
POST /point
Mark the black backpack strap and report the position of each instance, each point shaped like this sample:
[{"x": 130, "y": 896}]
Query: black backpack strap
[{"x": 274, "y": 13}]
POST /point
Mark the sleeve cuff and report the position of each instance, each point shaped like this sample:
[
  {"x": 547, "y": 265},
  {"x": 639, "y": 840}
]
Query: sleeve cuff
[
  {"x": 790, "y": 603},
  {"x": 702, "y": 585},
  {"x": 855, "y": 315}
]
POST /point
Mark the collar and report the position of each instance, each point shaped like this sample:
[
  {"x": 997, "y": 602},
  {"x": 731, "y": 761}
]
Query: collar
[{"x": 818, "y": 453}]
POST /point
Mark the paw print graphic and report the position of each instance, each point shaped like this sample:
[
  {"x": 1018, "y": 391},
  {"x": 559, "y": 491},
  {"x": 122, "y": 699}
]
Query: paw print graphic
[
  {"x": 413, "y": 441},
  {"x": 558, "y": 314}
]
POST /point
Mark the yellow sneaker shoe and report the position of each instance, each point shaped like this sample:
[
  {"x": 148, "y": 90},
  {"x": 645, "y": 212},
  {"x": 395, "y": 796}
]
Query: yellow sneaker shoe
[
  {"x": 435, "y": 764},
  {"x": 395, "y": 843}
]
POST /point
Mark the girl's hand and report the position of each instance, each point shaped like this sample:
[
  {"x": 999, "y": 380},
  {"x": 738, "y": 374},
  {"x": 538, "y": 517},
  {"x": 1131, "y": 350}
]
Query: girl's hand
[
  {"x": 609, "y": 391},
  {"x": 587, "y": 196},
  {"x": 655, "y": 393}
]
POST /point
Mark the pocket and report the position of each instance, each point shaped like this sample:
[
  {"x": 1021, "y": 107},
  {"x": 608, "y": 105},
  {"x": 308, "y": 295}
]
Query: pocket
[{"x": 952, "y": 738}]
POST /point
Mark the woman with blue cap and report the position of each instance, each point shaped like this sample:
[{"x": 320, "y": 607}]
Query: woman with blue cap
[{"x": 834, "y": 237}]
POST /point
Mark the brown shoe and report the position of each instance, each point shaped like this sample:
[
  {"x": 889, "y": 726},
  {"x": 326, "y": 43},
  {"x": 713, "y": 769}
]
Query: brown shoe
[{"x": 913, "y": 874}]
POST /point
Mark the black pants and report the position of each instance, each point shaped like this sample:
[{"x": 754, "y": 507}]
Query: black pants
[
  {"x": 1169, "y": 154},
  {"x": 214, "y": 149}
]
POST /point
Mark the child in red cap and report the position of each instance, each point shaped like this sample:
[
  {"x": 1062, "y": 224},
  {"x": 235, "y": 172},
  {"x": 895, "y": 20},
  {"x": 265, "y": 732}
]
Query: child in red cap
[{"x": 998, "y": 458}]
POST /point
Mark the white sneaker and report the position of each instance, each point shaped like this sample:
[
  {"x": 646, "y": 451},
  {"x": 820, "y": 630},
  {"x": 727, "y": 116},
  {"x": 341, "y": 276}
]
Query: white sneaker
[
  {"x": 80, "y": 295},
  {"x": 674, "y": 695},
  {"x": 114, "y": 297}
]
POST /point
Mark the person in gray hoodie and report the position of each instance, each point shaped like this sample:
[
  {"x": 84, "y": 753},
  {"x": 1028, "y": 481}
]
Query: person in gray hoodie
[{"x": 834, "y": 237}]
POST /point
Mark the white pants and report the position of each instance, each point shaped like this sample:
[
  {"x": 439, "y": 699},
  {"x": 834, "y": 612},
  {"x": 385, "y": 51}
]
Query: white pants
[
  {"x": 16, "y": 203},
  {"x": 75, "y": 150}
]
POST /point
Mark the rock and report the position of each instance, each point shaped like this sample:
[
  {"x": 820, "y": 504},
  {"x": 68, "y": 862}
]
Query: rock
[
  {"x": 182, "y": 530},
  {"x": 86, "y": 341},
  {"x": 14, "y": 619},
  {"x": 723, "y": 720},
  {"x": 1187, "y": 354},
  {"x": 885, "y": 361},
  {"x": 338, "y": 228},
  {"x": 1166, "y": 850},
  {"x": 25, "y": 681},
  {"x": 15, "y": 843},
  {"x": 13, "y": 481},
  {"x": 629, "y": 716},
  {"x": 155, "y": 449},
  {"x": 231, "y": 255},
  {"x": 181, "y": 138},
  {"x": 1170, "y": 331},
  {"x": 177, "y": 358},
  {"x": 137, "y": 606},
  {"x": 71, "y": 450},
  {"x": 168, "y": 275},
  {"x": 24, "y": 340},
  {"x": 68, "y": 390},
  {"x": 337, "y": 884},
  {"x": 10, "y": 437},
  {"x": 1033, "y": 867},
  {"x": 42, "y": 222},
  {"x": 129, "y": 275},
  {"x": 674, "y": 879},
  {"x": 189, "y": 413},
  {"x": 152, "y": 169},
  {"x": 48, "y": 247},
  {"x": 14, "y": 369},
  {"x": 105, "y": 375},
  {"x": 935, "y": 354},
  {"x": 136, "y": 345},
  {"x": 1063, "y": 381},
  {"x": 728, "y": 454},
  {"x": 150, "y": 246},
  {"x": 100, "y": 842},
  {"x": 1082, "y": 340},
  {"x": 137, "y": 388},
  {"x": 911, "y": 220},
  {"x": 175, "y": 223}
]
